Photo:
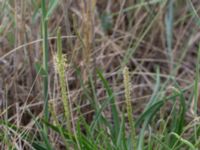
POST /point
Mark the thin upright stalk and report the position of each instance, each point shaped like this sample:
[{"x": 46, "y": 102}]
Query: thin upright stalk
[
  {"x": 45, "y": 58},
  {"x": 129, "y": 106},
  {"x": 60, "y": 66}
]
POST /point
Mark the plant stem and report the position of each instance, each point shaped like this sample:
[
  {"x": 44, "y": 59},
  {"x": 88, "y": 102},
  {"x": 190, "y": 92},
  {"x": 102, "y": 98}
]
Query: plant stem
[
  {"x": 45, "y": 58},
  {"x": 129, "y": 106}
]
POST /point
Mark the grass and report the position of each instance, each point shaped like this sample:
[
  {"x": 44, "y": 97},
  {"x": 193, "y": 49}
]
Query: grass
[
  {"x": 45, "y": 57},
  {"x": 86, "y": 98}
]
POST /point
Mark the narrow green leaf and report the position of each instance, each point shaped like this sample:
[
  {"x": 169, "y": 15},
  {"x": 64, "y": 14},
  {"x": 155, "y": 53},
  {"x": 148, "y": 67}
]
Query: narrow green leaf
[
  {"x": 52, "y": 5},
  {"x": 40, "y": 70},
  {"x": 186, "y": 142},
  {"x": 114, "y": 111}
]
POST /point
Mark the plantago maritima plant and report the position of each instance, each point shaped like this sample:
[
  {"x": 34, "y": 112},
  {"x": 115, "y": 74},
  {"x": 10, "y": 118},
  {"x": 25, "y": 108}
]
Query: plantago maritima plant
[
  {"x": 60, "y": 67},
  {"x": 129, "y": 106}
]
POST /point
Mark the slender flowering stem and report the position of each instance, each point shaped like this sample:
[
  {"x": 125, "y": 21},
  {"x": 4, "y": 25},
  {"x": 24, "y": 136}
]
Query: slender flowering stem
[
  {"x": 129, "y": 106},
  {"x": 45, "y": 58}
]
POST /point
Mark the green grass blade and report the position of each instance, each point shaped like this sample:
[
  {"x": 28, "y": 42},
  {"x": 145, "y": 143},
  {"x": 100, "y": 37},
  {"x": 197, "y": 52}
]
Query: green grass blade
[
  {"x": 152, "y": 107},
  {"x": 45, "y": 58},
  {"x": 112, "y": 103},
  {"x": 186, "y": 142},
  {"x": 52, "y": 5},
  {"x": 169, "y": 31}
]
